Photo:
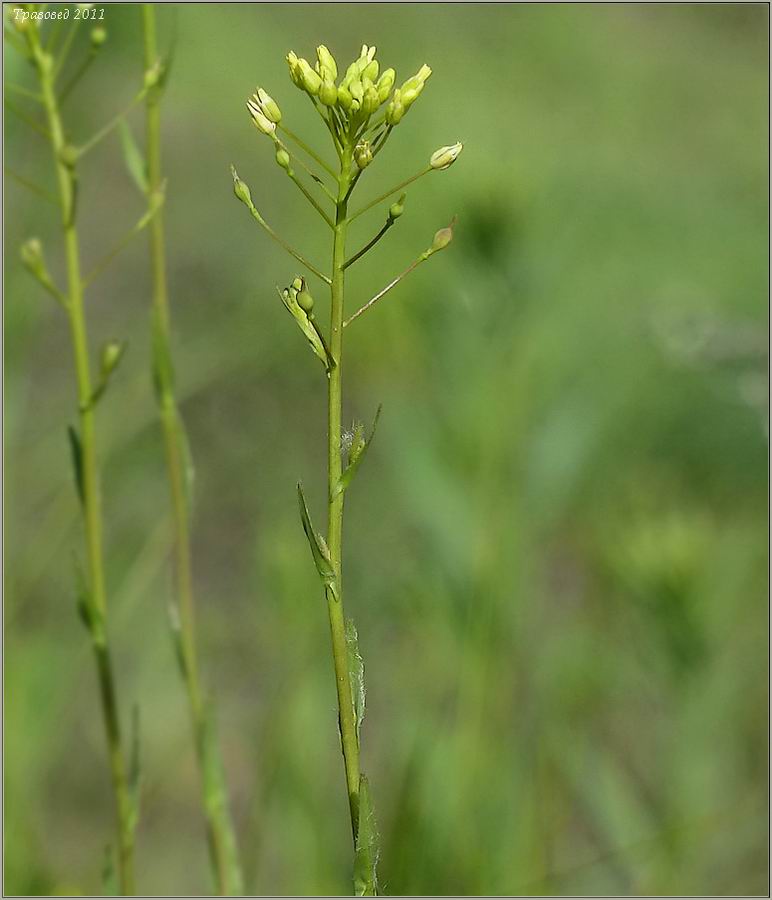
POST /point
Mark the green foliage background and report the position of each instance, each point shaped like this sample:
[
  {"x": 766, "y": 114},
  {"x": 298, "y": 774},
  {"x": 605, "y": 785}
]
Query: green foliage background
[{"x": 556, "y": 550}]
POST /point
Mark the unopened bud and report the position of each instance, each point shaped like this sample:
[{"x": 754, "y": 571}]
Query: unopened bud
[
  {"x": 363, "y": 154},
  {"x": 328, "y": 93},
  {"x": 397, "y": 208},
  {"x": 269, "y": 107},
  {"x": 68, "y": 155},
  {"x": 283, "y": 158},
  {"x": 294, "y": 68},
  {"x": 327, "y": 62},
  {"x": 262, "y": 122},
  {"x": 241, "y": 188},
  {"x": 395, "y": 110},
  {"x": 344, "y": 98},
  {"x": 98, "y": 36},
  {"x": 311, "y": 80},
  {"x": 298, "y": 283},
  {"x": 371, "y": 70},
  {"x": 32, "y": 256},
  {"x": 445, "y": 156},
  {"x": 385, "y": 84},
  {"x": 370, "y": 101},
  {"x": 111, "y": 356}
]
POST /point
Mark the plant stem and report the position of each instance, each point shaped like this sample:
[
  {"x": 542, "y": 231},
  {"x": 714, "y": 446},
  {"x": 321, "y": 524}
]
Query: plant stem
[
  {"x": 347, "y": 716},
  {"x": 97, "y": 600},
  {"x": 219, "y": 828},
  {"x": 391, "y": 191},
  {"x": 370, "y": 244}
]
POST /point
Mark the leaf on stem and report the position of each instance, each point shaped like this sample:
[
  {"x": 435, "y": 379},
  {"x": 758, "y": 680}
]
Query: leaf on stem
[
  {"x": 76, "y": 451},
  {"x": 175, "y": 627},
  {"x": 356, "y": 460},
  {"x": 133, "y": 158},
  {"x": 188, "y": 468},
  {"x": 317, "y": 544},
  {"x": 367, "y": 851},
  {"x": 356, "y": 670},
  {"x": 309, "y": 329}
]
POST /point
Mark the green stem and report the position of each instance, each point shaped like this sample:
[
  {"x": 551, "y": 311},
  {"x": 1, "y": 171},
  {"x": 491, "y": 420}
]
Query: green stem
[
  {"x": 347, "y": 716},
  {"x": 219, "y": 828},
  {"x": 370, "y": 244},
  {"x": 91, "y": 506},
  {"x": 303, "y": 146},
  {"x": 391, "y": 191}
]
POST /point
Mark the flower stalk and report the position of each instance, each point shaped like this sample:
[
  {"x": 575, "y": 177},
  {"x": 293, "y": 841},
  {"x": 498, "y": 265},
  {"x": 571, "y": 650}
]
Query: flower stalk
[
  {"x": 93, "y": 593},
  {"x": 349, "y": 110},
  {"x": 220, "y": 832}
]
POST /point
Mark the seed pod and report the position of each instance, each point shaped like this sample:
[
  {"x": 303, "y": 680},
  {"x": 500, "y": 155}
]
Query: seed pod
[
  {"x": 443, "y": 237},
  {"x": 305, "y": 300}
]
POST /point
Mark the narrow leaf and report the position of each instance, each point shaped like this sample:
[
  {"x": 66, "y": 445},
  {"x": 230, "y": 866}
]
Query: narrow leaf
[
  {"x": 309, "y": 329},
  {"x": 132, "y": 156},
  {"x": 176, "y": 629},
  {"x": 318, "y": 547},
  {"x": 367, "y": 851},
  {"x": 76, "y": 452},
  {"x": 351, "y": 469},
  {"x": 356, "y": 670}
]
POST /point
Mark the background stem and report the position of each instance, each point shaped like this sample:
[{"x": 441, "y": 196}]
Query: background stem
[
  {"x": 347, "y": 715},
  {"x": 97, "y": 599},
  {"x": 219, "y": 827}
]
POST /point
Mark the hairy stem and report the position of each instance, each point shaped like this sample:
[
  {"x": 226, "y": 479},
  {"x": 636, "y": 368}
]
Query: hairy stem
[
  {"x": 97, "y": 600},
  {"x": 219, "y": 827},
  {"x": 347, "y": 716}
]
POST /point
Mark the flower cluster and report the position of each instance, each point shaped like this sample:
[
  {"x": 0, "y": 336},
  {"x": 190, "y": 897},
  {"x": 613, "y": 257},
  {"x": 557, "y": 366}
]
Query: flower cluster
[{"x": 351, "y": 100}]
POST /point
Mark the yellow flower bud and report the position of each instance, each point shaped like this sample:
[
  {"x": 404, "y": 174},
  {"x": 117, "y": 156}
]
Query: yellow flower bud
[
  {"x": 344, "y": 98},
  {"x": 443, "y": 237},
  {"x": 294, "y": 69},
  {"x": 327, "y": 61},
  {"x": 262, "y": 122},
  {"x": 395, "y": 110},
  {"x": 283, "y": 159},
  {"x": 269, "y": 107},
  {"x": 371, "y": 70},
  {"x": 111, "y": 356},
  {"x": 370, "y": 101},
  {"x": 385, "y": 84},
  {"x": 328, "y": 93},
  {"x": 445, "y": 156},
  {"x": 310, "y": 80},
  {"x": 241, "y": 188},
  {"x": 398, "y": 207}
]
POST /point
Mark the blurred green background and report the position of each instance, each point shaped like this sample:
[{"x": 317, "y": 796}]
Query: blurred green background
[{"x": 556, "y": 553}]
